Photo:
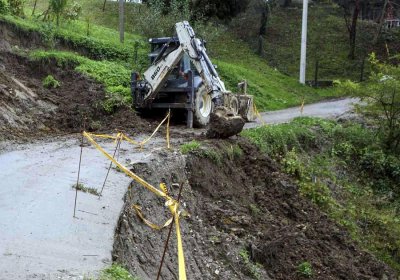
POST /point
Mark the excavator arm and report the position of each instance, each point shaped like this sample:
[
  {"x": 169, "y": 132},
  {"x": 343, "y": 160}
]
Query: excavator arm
[{"x": 212, "y": 89}]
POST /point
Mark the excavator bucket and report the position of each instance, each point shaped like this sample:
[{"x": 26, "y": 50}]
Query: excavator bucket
[{"x": 224, "y": 123}]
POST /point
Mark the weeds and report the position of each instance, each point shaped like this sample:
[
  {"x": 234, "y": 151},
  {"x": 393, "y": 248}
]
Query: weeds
[
  {"x": 116, "y": 272},
  {"x": 305, "y": 269},
  {"x": 190, "y": 147},
  {"x": 253, "y": 269},
  {"x": 213, "y": 155},
  {"x": 254, "y": 210},
  {"x": 50, "y": 82},
  {"x": 83, "y": 188},
  {"x": 233, "y": 152}
]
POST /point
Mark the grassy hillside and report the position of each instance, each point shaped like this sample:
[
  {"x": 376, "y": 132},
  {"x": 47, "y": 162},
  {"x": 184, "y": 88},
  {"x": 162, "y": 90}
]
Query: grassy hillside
[{"x": 95, "y": 36}]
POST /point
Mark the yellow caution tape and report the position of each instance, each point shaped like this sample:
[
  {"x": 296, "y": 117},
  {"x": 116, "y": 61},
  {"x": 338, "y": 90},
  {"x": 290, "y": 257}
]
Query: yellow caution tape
[
  {"x": 157, "y": 128},
  {"x": 258, "y": 115},
  {"x": 138, "y": 210},
  {"x": 122, "y": 136},
  {"x": 171, "y": 203},
  {"x": 127, "y": 171},
  {"x": 302, "y": 105}
]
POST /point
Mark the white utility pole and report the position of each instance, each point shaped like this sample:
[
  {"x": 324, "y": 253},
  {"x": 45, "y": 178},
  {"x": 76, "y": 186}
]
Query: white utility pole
[
  {"x": 121, "y": 21},
  {"x": 303, "y": 43}
]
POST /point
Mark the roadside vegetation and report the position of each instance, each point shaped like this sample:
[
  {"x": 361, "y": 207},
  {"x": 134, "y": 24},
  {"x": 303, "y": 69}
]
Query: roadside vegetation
[
  {"x": 346, "y": 169},
  {"x": 116, "y": 272}
]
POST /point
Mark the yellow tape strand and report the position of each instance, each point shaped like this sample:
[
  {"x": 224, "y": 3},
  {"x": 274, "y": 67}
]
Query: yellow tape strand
[
  {"x": 302, "y": 105},
  {"x": 171, "y": 203},
  {"x": 127, "y": 171},
  {"x": 258, "y": 114},
  {"x": 123, "y": 136},
  {"x": 158, "y": 127}
]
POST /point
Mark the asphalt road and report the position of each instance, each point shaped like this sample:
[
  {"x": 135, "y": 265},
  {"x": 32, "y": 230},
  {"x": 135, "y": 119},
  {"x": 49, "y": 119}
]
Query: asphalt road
[
  {"x": 327, "y": 109},
  {"x": 39, "y": 237}
]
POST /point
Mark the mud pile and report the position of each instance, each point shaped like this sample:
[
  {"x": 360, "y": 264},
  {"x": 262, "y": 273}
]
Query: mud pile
[
  {"x": 28, "y": 109},
  {"x": 239, "y": 206}
]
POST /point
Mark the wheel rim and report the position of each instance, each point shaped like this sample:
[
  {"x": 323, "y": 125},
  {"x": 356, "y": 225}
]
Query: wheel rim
[{"x": 205, "y": 105}]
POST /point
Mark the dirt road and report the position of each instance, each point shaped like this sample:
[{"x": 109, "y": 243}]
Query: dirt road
[{"x": 326, "y": 109}]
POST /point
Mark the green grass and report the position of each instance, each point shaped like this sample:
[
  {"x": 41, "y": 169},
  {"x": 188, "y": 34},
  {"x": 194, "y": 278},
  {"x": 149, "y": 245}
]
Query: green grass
[
  {"x": 271, "y": 89},
  {"x": 190, "y": 147},
  {"x": 252, "y": 268},
  {"x": 327, "y": 42},
  {"x": 50, "y": 82},
  {"x": 81, "y": 187},
  {"x": 115, "y": 76},
  {"x": 116, "y": 272},
  {"x": 305, "y": 269}
]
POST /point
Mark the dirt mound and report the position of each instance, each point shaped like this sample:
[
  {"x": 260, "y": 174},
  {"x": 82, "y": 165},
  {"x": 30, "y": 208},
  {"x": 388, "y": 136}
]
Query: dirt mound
[
  {"x": 29, "y": 109},
  {"x": 247, "y": 221}
]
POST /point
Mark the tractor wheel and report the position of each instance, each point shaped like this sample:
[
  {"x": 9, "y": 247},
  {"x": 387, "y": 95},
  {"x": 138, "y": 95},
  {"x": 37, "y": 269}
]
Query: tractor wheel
[
  {"x": 203, "y": 106},
  {"x": 234, "y": 105}
]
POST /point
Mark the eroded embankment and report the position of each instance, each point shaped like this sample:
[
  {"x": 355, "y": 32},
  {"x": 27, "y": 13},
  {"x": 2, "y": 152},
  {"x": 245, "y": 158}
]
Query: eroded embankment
[{"x": 247, "y": 221}]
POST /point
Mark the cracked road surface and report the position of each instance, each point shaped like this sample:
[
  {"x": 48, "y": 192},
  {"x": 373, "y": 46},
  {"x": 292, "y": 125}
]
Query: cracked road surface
[{"x": 39, "y": 238}]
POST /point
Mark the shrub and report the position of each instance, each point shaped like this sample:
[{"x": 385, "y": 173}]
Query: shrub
[
  {"x": 4, "y": 8},
  {"x": 57, "y": 7},
  {"x": 74, "y": 11},
  {"x": 16, "y": 7},
  {"x": 50, "y": 82}
]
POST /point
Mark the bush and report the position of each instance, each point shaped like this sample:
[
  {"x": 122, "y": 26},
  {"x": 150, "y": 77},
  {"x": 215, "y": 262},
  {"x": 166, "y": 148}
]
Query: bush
[
  {"x": 16, "y": 7},
  {"x": 74, "y": 11},
  {"x": 50, "y": 82},
  {"x": 4, "y": 8}
]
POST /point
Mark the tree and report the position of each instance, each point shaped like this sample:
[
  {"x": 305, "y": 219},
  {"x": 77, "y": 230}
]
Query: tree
[
  {"x": 351, "y": 24},
  {"x": 381, "y": 94},
  {"x": 57, "y": 8}
]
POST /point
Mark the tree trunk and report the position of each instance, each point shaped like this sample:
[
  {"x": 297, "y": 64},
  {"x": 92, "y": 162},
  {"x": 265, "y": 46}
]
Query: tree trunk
[
  {"x": 263, "y": 27},
  {"x": 104, "y": 5},
  {"x": 34, "y": 7},
  {"x": 381, "y": 22},
  {"x": 353, "y": 29},
  {"x": 121, "y": 21}
]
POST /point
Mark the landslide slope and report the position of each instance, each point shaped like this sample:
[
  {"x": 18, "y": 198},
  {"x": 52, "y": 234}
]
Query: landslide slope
[{"x": 244, "y": 219}]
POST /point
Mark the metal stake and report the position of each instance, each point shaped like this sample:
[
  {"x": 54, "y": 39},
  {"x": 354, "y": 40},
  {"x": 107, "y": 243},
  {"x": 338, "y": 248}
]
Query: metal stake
[
  {"x": 105, "y": 180},
  {"x": 79, "y": 169},
  {"x": 169, "y": 235}
]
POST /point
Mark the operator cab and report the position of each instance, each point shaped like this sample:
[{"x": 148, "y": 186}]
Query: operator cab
[{"x": 177, "y": 80}]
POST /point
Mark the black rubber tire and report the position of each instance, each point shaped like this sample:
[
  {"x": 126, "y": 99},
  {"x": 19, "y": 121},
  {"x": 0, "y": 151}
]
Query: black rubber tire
[{"x": 203, "y": 106}]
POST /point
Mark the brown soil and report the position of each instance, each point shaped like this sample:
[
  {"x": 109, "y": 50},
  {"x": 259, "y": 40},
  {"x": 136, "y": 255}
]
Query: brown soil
[
  {"x": 55, "y": 111},
  {"x": 242, "y": 203}
]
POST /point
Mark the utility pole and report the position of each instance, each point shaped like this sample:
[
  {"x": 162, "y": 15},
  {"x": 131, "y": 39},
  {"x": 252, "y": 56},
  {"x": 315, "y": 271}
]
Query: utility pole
[
  {"x": 121, "y": 21},
  {"x": 303, "y": 43}
]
